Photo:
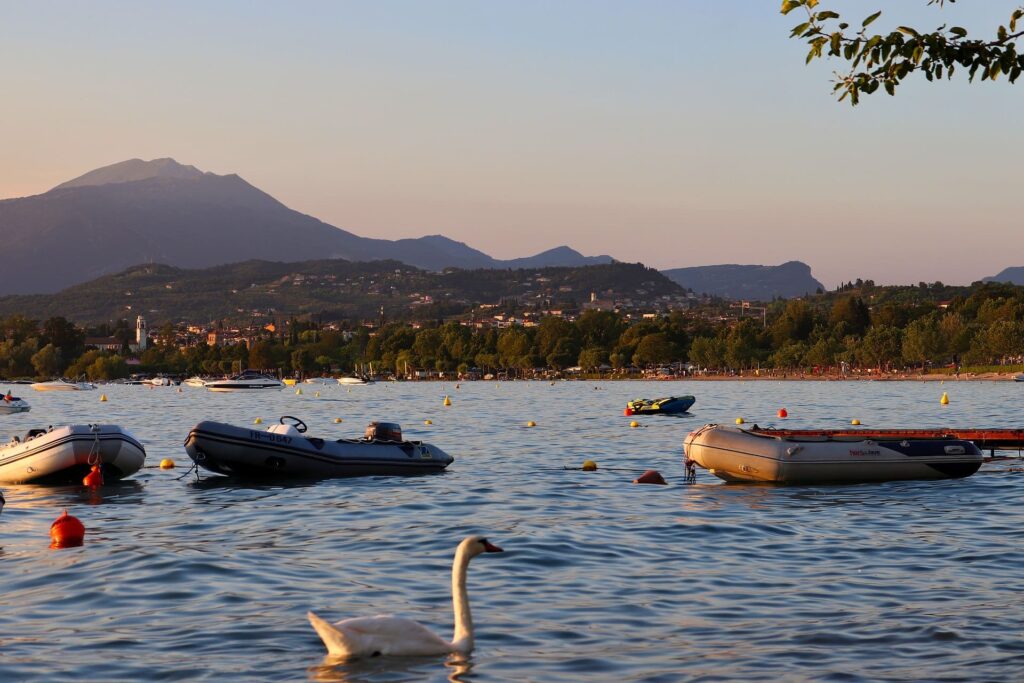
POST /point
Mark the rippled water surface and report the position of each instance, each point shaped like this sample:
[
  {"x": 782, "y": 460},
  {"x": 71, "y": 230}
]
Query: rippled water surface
[{"x": 601, "y": 579}]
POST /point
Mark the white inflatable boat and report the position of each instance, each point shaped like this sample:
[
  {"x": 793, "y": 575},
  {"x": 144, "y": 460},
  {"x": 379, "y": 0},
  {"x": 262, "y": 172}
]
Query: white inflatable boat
[
  {"x": 284, "y": 450},
  {"x": 825, "y": 456},
  {"x": 64, "y": 455}
]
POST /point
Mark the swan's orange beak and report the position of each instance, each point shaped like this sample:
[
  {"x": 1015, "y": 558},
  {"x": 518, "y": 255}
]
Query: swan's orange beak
[{"x": 491, "y": 548}]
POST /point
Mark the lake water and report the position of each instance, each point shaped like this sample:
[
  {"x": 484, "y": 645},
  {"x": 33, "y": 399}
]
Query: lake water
[{"x": 602, "y": 580}]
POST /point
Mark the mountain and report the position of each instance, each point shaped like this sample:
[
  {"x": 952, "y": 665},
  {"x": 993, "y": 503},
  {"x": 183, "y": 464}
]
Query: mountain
[
  {"x": 161, "y": 211},
  {"x": 1014, "y": 274},
  {"x": 133, "y": 170},
  {"x": 337, "y": 289},
  {"x": 761, "y": 283}
]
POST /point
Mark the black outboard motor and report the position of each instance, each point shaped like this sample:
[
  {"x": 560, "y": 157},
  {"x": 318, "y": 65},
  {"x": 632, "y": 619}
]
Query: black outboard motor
[{"x": 383, "y": 431}]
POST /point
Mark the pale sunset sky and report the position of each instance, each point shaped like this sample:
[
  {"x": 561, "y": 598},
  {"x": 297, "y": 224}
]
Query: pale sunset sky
[{"x": 674, "y": 133}]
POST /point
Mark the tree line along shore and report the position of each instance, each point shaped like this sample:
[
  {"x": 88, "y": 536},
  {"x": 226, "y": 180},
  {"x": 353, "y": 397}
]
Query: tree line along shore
[{"x": 856, "y": 332}]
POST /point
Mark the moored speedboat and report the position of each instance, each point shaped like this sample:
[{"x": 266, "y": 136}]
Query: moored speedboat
[
  {"x": 284, "y": 450},
  {"x": 63, "y": 455},
  {"x": 63, "y": 385},
  {"x": 323, "y": 381},
  {"x": 826, "y": 456},
  {"x": 352, "y": 380},
  {"x": 660, "y": 406},
  {"x": 11, "y": 404},
  {"x": 195, "y": 382},
  {"x": 250, "y": 380}
]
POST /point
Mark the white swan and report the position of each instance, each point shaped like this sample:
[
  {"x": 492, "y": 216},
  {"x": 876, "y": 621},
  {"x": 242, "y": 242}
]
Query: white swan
[{"x": 389, "y": 635}]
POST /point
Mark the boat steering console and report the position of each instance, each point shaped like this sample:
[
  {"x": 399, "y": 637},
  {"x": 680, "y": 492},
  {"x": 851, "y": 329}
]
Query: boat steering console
[{"x": 299, "y": 425}]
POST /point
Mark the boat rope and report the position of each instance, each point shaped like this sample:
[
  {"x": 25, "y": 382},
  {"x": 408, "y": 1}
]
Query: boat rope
[
  {"x": 194, "y": 468},
  {"x": 94, "y": 451}
]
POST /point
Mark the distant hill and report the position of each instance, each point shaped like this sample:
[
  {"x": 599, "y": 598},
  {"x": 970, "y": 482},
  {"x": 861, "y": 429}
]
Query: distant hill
[
  {"x": 333, "y": 290},
  {"x": 161, "y": 211},
  {"x": 1014, "y": 275},
  {"x": 761, "y": 283}
]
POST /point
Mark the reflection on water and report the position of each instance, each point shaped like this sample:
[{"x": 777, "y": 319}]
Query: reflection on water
[
  {"x": 603, "y": 579},
  {"x": 336, "y": 670}
]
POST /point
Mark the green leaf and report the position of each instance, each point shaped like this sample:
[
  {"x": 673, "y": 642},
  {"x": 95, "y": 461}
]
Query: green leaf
[
  {"x": 958, "y": 32},
  {"x": 870, "y": 19}
]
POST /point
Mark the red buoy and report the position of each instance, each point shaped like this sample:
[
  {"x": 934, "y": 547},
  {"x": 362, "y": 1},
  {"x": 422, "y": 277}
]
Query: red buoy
[
  {"x": 94, "y": 478},
  {"x": 627, "y": 412},
  {"x": 650, "y": 477},
  {"x": 67, "y": 532},
  {"x": 783, "y": 413}
]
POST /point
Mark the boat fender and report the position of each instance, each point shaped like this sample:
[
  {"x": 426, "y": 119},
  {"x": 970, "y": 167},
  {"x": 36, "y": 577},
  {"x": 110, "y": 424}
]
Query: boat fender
[{"x": 94, "y": 478}]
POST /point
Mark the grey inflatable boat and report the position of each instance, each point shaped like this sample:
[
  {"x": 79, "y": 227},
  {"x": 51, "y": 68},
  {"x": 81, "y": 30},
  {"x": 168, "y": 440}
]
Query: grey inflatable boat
[{"x": 284, "y": 450}]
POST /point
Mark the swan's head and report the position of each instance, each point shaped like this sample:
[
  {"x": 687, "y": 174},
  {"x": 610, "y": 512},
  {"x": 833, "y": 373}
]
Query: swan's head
[{"x": 476, "y": 545}]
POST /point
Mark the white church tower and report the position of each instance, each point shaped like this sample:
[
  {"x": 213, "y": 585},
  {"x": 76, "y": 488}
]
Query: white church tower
[{"x": 141, "y": 334}]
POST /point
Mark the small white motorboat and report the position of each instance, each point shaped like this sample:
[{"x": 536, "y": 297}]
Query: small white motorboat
[
  {"x": 63, "y": 385},
  {"x": 323, "y": 381},
  {"x": 195, "y": 382},
  {"x": 284, "y": 451},
  {"x": 11, "y": 404},
  {"x": 248, "y": 381},
  {"x": 159, "y": 381},
  {"x": 64, "y": 455},
  {"x": 826, "y": 456},
  {"x": 350, "y": 381}
]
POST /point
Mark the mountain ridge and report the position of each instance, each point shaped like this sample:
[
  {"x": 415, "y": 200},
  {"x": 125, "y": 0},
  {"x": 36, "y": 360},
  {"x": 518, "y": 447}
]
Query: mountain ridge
[
  {"x": 139, "y": 211},
  {"x": 757, "y": 282}
]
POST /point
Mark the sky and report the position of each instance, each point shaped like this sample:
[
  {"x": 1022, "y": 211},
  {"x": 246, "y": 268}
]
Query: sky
[{"x": 675, "y": 133}]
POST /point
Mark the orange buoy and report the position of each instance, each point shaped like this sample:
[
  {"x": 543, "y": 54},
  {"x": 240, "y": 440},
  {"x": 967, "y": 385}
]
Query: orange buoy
[
  {"x": 67, "y": 532},
  {"x": 627, "y": 412},
  {"x": 650, "y": 477},
  {"x": 94, "y": 478},
  {"x": 783, "y": 412}
]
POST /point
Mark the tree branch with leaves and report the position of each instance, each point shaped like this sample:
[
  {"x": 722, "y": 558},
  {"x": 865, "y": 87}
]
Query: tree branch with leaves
[{"x": 884, "y": 61}]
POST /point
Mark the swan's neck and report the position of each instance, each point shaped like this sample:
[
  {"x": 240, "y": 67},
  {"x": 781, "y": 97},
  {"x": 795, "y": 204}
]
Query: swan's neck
[{"x": 462, "y": 641}]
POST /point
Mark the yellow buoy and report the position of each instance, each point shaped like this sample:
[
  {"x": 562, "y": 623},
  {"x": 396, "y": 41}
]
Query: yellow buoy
[
  {"x": 298, "y": 392},
  {"x": 103, "y": 398},
  {"x": 447, "y": 401},
  {"x": 258, "y": 421},
  {"x": 531, "y": 423},
  {"x": 634, "y": 424},
  {"x": 337, "y": 420},
  {"x": 739, "y": 420},
  {"x": 179, "y": 390},
  {"x": 167, "y": 464},
  {"x": 855, "y": 421},
  {"x": 428, "y": 422},
  {"x": 316, "y": 395},
  {"x": 945, "y": 399},
  {"x": 589, "y": 465}
]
